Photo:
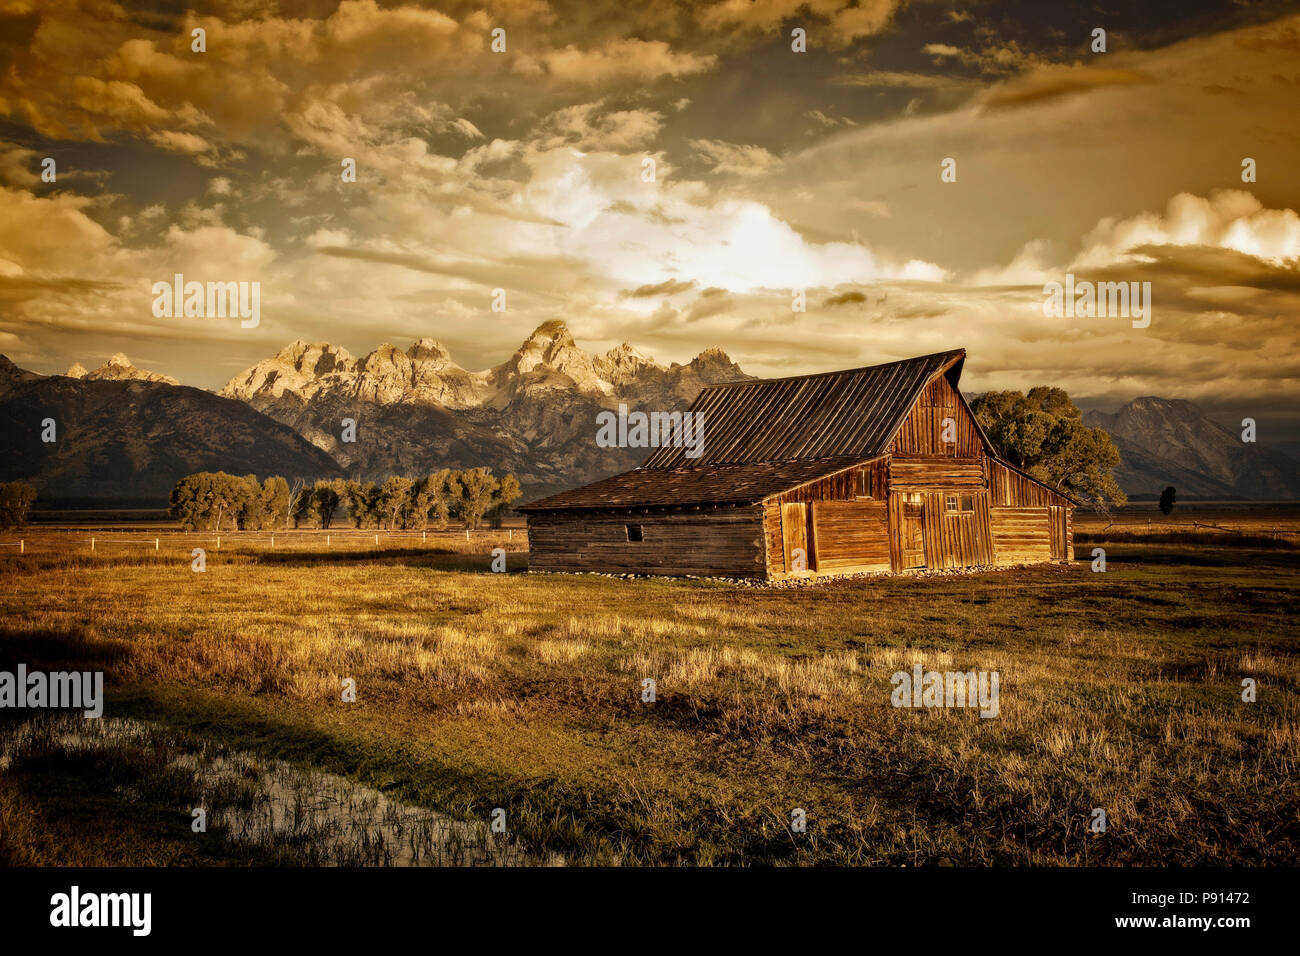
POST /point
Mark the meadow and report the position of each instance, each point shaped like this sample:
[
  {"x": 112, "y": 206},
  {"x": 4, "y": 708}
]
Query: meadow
[{"x": 478, "y": 691}]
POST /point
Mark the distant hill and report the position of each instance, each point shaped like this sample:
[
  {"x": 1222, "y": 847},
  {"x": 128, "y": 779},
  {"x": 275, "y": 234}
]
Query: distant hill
[
  {"x": 123, "y": 437},
  {"x": 1172, "y": 442}
]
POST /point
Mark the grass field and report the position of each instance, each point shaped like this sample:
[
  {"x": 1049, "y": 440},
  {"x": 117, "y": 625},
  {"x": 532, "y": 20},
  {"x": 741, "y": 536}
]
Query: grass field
[{"x": 478, "y": 691}]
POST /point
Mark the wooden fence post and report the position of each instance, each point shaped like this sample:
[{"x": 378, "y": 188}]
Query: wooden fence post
[
  {"x": 92, "y": 544},
  {"x": 155, "y": 544}
]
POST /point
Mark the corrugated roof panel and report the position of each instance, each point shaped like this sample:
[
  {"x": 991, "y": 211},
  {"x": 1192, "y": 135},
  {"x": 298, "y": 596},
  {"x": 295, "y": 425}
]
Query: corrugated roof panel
[{"x": 852, "y": 413}]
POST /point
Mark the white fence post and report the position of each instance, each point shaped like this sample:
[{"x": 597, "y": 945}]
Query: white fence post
[{"x": 376, "y": 539}]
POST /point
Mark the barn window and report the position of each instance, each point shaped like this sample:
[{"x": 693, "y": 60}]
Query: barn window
[
  {"x": 951, "y": 502},
  {"x": 967, "y": 503},
  {"x": 634, "y": 533},
  {"x": 864, "y": 483}
]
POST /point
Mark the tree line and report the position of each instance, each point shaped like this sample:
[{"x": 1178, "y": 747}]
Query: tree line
[{"x": 216, "y": 501}]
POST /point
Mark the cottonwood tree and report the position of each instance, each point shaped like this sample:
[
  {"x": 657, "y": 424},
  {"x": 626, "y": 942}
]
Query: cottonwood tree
[
  {"x": 324, "y": 502},
  {"x": 477, "y": 490},
  {"x": 394, "y": 502},
  {"x": 16, "y": 499},
  {"x": 297, "y": 505},
  {"x": 508, "y": 492},
  {"x": 431, "y": 498},
  {"x": 362, "y": 501},
  {"x": 1042, "y": 433}
]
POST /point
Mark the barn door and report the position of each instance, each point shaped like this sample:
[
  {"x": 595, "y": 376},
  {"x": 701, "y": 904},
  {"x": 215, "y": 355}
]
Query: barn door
[
  {"x": 913, "y": 534},
  {"x": 796, "y": 534},
  {"x": 1056, "y": 521}
]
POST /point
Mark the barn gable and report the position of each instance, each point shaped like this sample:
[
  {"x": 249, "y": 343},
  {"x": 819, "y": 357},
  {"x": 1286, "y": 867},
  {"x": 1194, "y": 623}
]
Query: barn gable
[{"x": 922, "y": 430}]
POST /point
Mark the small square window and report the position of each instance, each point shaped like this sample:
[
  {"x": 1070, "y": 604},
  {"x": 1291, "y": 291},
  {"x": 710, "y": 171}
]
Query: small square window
[
  {"x": 952, "y": 502},
  {"x": 634, "y": 533},
  {"x": 967, "y": 503}
]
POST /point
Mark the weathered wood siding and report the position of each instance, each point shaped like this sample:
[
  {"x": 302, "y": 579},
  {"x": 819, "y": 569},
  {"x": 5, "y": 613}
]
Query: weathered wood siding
[
  {"x": 850, "y": 535},
  {"x": 922, "y": 431},
  {"x": 948, "y": 539},
  {"x": 1009, "y": 488},
  {"x": 840, "y": 530},
  {"x": 723, "y": 542},
  {"x": 931, "y": 474},
  {"x": 843, "y": 485},
  {"x": 1022, "y": 534}
]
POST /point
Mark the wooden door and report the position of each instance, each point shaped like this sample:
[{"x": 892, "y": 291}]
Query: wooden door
[
  {"x": 1056, "y": 528},
  {"x": 913, "y": 534},
  {"x": 796, "y": 536}
]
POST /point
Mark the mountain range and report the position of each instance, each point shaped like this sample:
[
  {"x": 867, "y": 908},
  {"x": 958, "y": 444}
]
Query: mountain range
[
  {"x": 126, "y": 433},
  {"x": 1165, "y": 441},
  {"x": 129, "y": 437},
  {"x": 417, "y": 410}
]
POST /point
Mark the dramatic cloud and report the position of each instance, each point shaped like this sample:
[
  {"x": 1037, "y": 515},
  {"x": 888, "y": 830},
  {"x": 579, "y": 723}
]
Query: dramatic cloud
[{"x": 668, "y": 174}]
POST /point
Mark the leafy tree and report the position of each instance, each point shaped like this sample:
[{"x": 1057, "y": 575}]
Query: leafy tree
[
  {"x": 263, "y": 505},
  {"x": 508, "y": 492},
  {"x": 1041, "y": 432},
  {"x": 431, "y": 498},
  {"x": 210, "y": 499},
  {"x": 324, "y": 502},
  {"x": 477, "y": 490},
  {"x": 362, "y": 501},
  {"x": 275, "y": 502},
  {"x": 187, "y": 504},
  {"x": 16, "y": 499},
  {"x": 393, "y": 503},
  {"x": 1167, "y": 498}
]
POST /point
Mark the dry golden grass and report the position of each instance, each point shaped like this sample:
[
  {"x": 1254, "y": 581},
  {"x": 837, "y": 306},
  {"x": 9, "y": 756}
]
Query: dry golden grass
[{"x": 477, "y": 690}]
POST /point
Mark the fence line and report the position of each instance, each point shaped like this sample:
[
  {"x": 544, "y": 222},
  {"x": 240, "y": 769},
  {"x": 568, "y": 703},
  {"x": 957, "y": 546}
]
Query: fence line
[{"x": 63, "y": 539}]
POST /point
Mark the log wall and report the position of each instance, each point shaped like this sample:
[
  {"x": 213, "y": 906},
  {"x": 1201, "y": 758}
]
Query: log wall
[
  {"x": 931, "y": 474},
  {"x": 725, "y": 542},
  {"x": 1021, "y": 534}
]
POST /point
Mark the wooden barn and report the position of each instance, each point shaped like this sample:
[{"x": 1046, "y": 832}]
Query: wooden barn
[{"x": 835, "y": 473}]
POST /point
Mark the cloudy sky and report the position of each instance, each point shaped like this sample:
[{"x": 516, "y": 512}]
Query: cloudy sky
[{"x": 774, "y": 170}]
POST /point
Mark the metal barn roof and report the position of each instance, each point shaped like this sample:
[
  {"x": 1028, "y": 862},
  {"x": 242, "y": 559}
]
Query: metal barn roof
[
  {"x": 706, "y": 484},
  {"x": 764, "y": 436},
  {"x": 835, "y": 414}
]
